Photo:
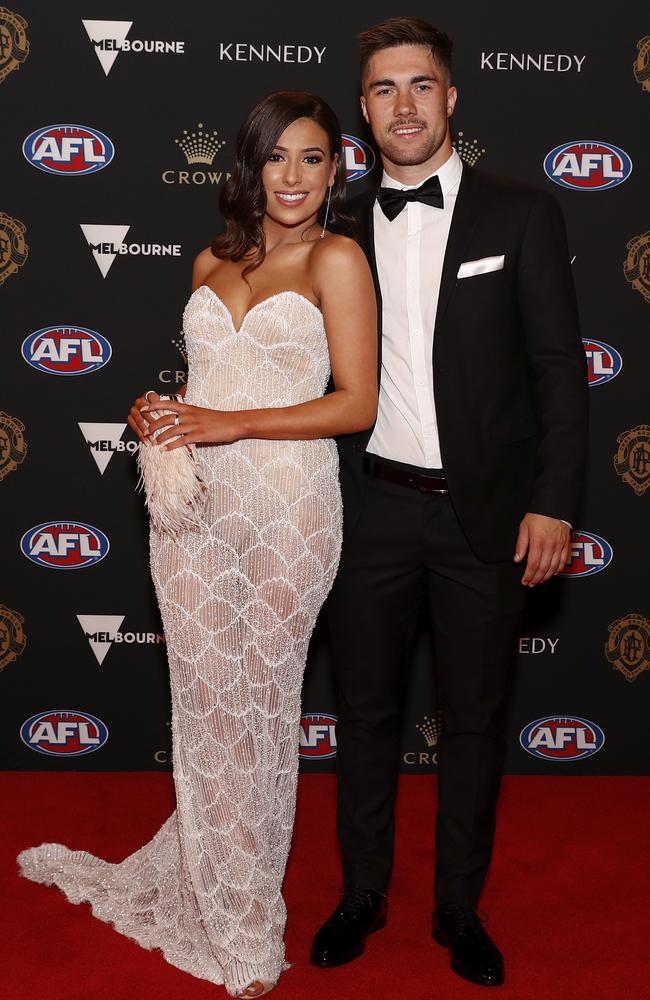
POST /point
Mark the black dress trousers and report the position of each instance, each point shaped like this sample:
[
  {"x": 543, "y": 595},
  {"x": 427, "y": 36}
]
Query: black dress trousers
[{"x": 407, "y": 554}]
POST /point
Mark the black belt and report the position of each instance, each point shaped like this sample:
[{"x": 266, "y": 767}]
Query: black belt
[{"x": 404, "y": 476}]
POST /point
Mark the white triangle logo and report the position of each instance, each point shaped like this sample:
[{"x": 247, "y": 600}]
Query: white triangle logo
[
  {"x": 105, "y": 243},
  {"x": 107, "y": 31},
  {"x": 100, "y": 631},
  {"x": 102, "y": 440}
]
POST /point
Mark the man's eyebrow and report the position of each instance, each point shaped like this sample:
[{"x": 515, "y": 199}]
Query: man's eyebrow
[{"x": 421, "y": 78}]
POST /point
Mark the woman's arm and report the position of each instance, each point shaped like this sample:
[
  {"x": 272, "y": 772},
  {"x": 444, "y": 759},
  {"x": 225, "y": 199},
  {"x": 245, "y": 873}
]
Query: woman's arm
[
  {"x": 203, "y": 264},
  {"x": 342, "y": 282}
]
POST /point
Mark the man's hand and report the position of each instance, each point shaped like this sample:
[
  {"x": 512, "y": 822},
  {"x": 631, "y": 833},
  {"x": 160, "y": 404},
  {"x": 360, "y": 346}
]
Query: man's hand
[{"x": 546, "y": 540}]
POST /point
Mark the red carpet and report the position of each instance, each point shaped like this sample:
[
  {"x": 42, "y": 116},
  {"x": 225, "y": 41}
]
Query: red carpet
[{"x": 568, "y": 897}]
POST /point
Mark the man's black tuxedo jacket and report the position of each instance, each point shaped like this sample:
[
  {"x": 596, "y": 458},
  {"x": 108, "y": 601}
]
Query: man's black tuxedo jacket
[{"x": 509, "y": 368}]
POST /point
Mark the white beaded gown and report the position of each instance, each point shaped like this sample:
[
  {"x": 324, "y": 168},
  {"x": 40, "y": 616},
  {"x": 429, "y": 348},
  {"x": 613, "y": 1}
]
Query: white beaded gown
[{"x": 239, "y": 599}]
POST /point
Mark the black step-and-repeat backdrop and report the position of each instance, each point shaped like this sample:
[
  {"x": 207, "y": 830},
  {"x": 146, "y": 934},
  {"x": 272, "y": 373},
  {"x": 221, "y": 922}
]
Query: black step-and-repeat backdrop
[{"x": 119, "y": 122}]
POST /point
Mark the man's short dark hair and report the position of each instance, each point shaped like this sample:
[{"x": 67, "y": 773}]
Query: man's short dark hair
[{"x": 405, "y": 31}]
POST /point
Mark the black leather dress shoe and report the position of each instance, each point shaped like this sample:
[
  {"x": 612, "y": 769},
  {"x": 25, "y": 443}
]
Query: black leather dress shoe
[
  {"x": 474, "y": 955},
  {"x": 342, "y": 938}
]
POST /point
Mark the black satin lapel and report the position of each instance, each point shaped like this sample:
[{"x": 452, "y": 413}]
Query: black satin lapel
[
  {"x": 366, "y": 237},
  {"x": 370, "y": 252},
  {"x": 372, "y": 260},
  {"x": 459, "y": 233},
  {"x": 367, "y": 233}
]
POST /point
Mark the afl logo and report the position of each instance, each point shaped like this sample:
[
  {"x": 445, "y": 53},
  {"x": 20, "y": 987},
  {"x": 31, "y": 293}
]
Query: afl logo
[
  {"x": 562, "y": 738},
  {"x": 359, "y": 157},
  {"x": 64, "y": 733},
  {"x": 64, "y": 544},
  {"x": 66, "y": 350},
  {"x": 68, "y": 149},
  {"x": 603, "y": 361},
  {"x": 588, "y": 165},
  {"x": 589, "y": 554},
  {"x": 317, "y": 736}
]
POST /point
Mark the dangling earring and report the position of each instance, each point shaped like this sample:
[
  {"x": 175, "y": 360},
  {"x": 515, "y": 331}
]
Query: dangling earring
[{"x": 327, "y": 210}]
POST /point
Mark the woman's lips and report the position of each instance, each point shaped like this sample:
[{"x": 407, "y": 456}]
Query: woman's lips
[{"x": 291, "y": 197}]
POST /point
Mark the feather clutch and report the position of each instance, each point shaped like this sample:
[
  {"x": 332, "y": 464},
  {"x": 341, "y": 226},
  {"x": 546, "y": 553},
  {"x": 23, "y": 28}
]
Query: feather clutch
[{"x": 174, "y": 489}]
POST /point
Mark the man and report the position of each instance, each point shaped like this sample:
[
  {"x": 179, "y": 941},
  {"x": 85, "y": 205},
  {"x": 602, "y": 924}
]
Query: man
[{"x": 462, "y": 493}]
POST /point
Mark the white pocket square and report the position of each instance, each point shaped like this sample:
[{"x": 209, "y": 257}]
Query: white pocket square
[{"x": 482, "y": 266}]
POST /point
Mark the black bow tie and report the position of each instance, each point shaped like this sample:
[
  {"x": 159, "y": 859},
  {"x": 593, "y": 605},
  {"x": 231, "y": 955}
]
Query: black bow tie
[{"x": 392, "y": 201}]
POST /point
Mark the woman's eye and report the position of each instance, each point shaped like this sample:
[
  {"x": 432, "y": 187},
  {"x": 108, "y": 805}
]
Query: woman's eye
[
  {"x": 274, "y": 158},
  {"x": 313, "y": 159}
]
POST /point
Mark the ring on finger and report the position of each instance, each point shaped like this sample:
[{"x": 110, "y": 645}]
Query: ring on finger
[{"x": 177, "y": 421}]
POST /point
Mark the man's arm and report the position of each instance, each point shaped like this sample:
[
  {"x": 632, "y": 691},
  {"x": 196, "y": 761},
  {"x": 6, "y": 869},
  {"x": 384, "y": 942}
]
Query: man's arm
[{"x": 558, "y": 371}]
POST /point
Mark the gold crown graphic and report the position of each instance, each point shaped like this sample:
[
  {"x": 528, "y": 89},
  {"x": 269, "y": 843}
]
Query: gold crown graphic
[
  {"x": 469, "y": 152},
  {"x": 430, "y": 729},
  {"x": 181, "y": 346},
  {"x": 200, "y": 146}
]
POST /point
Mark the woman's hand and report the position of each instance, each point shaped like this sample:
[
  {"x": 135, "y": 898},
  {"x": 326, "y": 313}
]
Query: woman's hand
[
  {"x": 195, "y": 424},
  {"x": 136, "y": 421}
]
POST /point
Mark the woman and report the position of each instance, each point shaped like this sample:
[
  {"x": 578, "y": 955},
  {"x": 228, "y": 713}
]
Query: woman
[{"x": 277, "y": 301}]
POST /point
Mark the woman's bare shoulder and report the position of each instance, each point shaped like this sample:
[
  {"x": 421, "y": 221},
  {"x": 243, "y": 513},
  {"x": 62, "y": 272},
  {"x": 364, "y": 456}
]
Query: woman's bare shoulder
[
  {"x": 339, "y": 272},
  {"x": 204, "y": 264},
  {"x": 335, "y": 252}
]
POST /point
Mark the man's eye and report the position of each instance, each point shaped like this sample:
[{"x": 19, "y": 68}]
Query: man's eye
[{"x": 423, "y": 86}]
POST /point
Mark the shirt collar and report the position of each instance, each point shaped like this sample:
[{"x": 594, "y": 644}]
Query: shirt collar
[{"x": 449, "y": 174}]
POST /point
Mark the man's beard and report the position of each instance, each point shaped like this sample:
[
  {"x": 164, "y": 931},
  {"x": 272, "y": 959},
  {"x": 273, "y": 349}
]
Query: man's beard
[{"x": 411, "y": 156}]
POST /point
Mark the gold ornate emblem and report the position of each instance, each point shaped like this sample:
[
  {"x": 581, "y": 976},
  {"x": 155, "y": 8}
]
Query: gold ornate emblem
[
  {"x": 12, "y": 636},
  {"x": 642, "y": 63},
  {"x": 632, "y": 460},
  {"x": 637, "y": 264},
  {"x": 14, "y": 47},
  {"x": 628, "y": 646},
  {"x": 469, "y": 152},
  {"x": 13, "y": 248},
  {"x": 12, "y": 444}
]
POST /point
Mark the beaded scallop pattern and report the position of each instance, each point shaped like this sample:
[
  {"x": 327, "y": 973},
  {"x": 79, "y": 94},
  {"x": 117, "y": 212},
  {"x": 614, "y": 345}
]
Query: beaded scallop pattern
[{"x": 239, "y": 599}]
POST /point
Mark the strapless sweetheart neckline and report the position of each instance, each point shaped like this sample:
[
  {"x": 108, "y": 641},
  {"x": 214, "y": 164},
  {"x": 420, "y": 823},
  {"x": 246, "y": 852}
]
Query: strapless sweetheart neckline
[{"x": 262, "y": 302}]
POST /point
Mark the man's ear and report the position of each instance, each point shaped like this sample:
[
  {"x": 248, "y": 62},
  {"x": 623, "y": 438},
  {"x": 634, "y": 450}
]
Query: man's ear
[
  {"x": 364, "y": 109},
  {"x": 452, "y": 97}
]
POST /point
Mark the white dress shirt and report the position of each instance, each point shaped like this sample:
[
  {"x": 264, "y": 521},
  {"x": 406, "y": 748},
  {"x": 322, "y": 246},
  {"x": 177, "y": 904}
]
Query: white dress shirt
[{"x": 410, "y": 252}]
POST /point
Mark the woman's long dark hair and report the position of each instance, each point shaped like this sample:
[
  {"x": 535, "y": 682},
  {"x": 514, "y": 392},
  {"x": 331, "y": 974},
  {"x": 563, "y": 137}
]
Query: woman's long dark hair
[{"x": 243, "y": 201}]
